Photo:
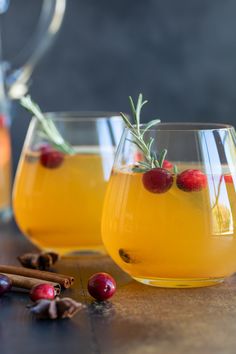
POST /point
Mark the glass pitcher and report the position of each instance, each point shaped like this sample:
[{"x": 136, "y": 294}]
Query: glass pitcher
[{"x": 14, "y": 79}]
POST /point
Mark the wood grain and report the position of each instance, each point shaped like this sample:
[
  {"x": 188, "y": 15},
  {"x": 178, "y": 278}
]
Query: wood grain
[{"x": 138, "y": 320}]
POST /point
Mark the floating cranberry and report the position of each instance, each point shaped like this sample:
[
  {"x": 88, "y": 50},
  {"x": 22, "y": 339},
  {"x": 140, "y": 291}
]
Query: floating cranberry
[
  {"x": 5, "y": 284},
  {"x": 49, "y": 157},
  {"x": 167, "y": 165},
  {"x": 228, "y": 178},
  {"x": 157, "y": 180},
  {"x": 101, "y": 286},
  {"x": 191, "y": 180},
  {"x": 42, "y": 291}
]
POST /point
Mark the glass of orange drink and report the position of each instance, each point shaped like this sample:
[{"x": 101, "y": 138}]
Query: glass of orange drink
[
  {"x": 58, "y": 197},
  {"x": 173, "y": 223}
]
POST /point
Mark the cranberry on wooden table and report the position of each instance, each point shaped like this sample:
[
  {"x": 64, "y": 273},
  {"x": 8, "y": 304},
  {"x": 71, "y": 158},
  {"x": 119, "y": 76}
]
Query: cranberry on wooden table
[
  {"x": 42, "y": 291},
  {"x": 101, "y": 286}
]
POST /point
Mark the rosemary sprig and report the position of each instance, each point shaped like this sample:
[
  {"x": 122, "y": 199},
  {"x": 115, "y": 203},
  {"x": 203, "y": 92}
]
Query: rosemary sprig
[
  {"x": 49, "y": 130},
  {"x": 152, "y": 160}
]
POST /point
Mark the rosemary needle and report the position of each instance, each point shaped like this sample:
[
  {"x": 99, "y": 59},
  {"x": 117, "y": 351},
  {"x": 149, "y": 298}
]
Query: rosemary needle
[
  {"x": 152, "y": 161},
  {"x": 49, "y": 130}
]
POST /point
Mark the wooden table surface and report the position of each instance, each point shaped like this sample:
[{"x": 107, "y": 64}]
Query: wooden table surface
[{"x": 139, "y": 319}]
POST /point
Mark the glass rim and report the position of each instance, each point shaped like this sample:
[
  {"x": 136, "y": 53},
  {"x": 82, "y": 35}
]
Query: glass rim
[
  {"x": 186, "y": 127},
  {"x": 81, "y": 116}
]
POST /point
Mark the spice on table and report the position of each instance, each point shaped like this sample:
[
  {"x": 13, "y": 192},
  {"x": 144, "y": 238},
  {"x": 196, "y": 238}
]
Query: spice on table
[
  {"x": 65, "y": 281},
  {"x": 42, "y": 261},
  {"x": 22, "y": 282},
  {"x": 55, "y": 309}
]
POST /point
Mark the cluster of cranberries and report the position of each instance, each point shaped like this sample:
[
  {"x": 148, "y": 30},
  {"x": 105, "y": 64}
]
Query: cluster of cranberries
[
  {"x": 101, "y": 286},
  {"x": 160, "y": 180}
]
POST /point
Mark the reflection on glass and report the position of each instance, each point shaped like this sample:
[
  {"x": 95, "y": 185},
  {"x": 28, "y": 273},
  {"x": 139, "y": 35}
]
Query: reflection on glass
[{"x": 218, "y": 152}]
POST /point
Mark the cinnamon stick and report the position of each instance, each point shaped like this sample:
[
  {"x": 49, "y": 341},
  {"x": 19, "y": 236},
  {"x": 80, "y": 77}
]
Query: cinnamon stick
[
  {"x": 64, "y": 280},
  {"x": 19, "y": 281}
]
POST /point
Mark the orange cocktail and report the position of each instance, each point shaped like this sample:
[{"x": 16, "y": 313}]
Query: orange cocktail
[
  {"x": 58, "y": 197},
  {"x": 169, "y": 215},
  {"x": 170, "y": 236},
  {"x": 61, "y": 208}
]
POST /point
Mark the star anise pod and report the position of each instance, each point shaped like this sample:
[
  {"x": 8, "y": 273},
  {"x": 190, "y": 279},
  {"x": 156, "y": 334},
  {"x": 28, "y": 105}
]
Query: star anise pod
[
  {"x": 42, "y": 261},
  {"x": 56, "y": 309}
]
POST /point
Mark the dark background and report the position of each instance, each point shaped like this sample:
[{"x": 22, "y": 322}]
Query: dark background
[{"x": 180, "y": 54}]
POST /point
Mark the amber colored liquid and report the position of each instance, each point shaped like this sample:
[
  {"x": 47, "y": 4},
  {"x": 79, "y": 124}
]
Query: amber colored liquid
[
  {"x": 174, "y": 235},
  {"x": 60, "y": 209},
  {"x": 5, "y": 169}
]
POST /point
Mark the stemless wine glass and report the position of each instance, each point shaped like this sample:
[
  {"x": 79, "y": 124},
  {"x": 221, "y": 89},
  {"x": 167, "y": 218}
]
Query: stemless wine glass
[
  {"x": 57, "y": 198},
  {"x": 183, "y": 236}
]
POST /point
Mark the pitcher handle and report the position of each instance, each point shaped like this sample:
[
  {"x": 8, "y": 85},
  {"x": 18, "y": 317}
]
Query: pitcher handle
[{"x": 17, "y": 76}]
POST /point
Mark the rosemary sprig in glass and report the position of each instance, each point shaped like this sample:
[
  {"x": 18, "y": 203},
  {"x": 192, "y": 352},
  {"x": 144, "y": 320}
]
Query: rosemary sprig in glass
[
  {"x": 49, "y": 130},
  {"x": 152, "y": 159}
]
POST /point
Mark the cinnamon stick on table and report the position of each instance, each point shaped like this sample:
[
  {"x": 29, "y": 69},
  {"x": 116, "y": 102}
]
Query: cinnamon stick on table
[
  {"x": 19, "y": 281},
  {"x": 64, "y": 280}
]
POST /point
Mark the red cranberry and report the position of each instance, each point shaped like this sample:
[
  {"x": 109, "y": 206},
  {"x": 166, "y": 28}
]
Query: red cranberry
[
  {"x": 5, "y": 284},
  {"x": 2, "y": 121},
  {"x": 157, "y": 180},
  {"x": 167, "y": 165},
  {"x": 101, "y": 286},
  {"x": 50, "y": 158},
  {"x": 228, "y": 178},
  {"x": 42, "y": 291},
  {"x": 138, "y": 156},
  {"x": 191, "y": 180}
]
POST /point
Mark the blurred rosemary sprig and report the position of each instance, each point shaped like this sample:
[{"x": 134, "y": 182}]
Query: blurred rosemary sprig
[
  {"x": 152, "y": 159},
  {"x": 49, "y": 130}
]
